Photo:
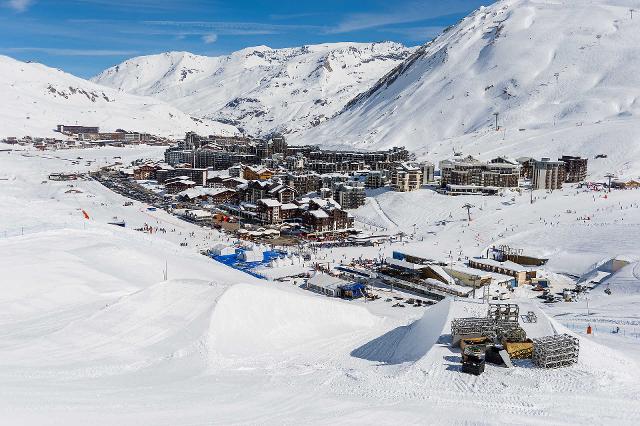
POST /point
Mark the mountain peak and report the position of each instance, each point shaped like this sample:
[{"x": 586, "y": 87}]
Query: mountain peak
[
  {"x": 536, "y": 64},
  {"x": 260, "y": 89}
]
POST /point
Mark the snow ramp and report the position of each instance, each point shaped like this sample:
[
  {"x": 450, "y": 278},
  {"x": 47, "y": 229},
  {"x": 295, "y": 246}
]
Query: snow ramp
[
  {"x": 254, "y": 320},
  {"x": 411, "y": 342},
  {"x": 624, "y": 282}
]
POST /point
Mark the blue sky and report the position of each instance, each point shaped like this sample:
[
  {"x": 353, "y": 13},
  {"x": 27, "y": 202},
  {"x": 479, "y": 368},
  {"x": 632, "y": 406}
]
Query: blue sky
[{"x": 84, "y": 37}]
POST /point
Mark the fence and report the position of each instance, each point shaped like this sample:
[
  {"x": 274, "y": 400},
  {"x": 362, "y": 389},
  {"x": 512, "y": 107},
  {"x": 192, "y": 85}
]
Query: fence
[{"x": 613, "y": 329}]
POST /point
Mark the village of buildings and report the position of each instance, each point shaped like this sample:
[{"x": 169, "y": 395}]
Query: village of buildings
[
  {"x": 274, "y": 200},
  {"x": 78, "y": 136},
  {"x": 298, "y": 214}
]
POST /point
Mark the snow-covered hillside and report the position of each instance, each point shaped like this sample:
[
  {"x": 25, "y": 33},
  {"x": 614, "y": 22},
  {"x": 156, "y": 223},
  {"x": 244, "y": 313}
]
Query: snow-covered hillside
[
  {"x": 541, "y": 65},
  {"x": 260, "y": 89},
  {"x": 36, "y": 98},
  {"x": 123, "y": 327}
]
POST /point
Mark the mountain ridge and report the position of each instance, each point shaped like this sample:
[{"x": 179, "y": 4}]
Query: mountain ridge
[
  {"x": 37, "y": 98},
  {"x": 578, "y": 68},
  {"x": 259, "y": 89}
]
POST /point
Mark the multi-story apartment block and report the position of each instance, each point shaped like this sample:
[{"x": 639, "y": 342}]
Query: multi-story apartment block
[
  {"x": 428, "y": 172},
  {"x": 349, "y": 196},
  {"x": 406, "y": 177},
  {"x": 548, "y": 174},
  {"x": 500, "y": 172},
  {"x": 575, "y": 168}
]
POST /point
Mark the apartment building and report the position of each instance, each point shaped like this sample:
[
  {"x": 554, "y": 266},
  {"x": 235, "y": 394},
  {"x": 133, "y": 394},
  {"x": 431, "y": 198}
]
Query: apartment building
[{"x": 406, "y": 177}]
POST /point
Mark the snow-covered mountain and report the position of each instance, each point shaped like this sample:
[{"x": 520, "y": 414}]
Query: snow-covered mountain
[
  {"x": 544, "y": 66},
  {"x": 260, "y": 89},
  {"x": 36, "y": 98}
]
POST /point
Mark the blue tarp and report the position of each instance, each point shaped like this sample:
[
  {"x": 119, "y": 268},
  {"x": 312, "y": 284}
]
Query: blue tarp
[
  {"x": 356, "y": 289},
  {"x": 398, "y": 255},
  {"x": 233, "y": 261}
]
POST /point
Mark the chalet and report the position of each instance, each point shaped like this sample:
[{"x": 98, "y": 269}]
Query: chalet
[
  {"x": 211, "y": 195},
  {"x": 178, "y": 184},
  {"x": 283, "y": 193},
  {"x": 225, "y": 182},
  {"x": 527, "y": 164},
  {"x": 325, "y": 215},
  {"x": 257, "y": 189},
  {"x": 631, "y": 184},
  {"x": 257, "y": 173},
  {"x": 198, "y": 215},
  {"x": 145, "y": 172}
]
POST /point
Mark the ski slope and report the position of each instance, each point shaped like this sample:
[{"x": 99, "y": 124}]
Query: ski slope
[{"x": 560, "y": 74}]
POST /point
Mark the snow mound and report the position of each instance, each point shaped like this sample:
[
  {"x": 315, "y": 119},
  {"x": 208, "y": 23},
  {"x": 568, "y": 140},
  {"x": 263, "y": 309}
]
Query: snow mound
[
  {"x": 624, "y": 282},
  {"x": 250, "y": 320},
  {"x": 411, "y": 342}
]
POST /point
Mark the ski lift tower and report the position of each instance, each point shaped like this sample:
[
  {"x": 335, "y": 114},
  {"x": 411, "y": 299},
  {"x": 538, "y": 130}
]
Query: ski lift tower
[
  {"x": 609, "y": 176},
  {"x": 468, "y": 207}
]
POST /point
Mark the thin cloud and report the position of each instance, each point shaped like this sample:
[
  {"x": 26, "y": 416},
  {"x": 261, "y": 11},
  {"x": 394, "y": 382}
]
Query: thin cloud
[
  {"x": 149, "y": 5},
  {"x": 69, "y": 52},
  {"x": 416, "y": 33},
  {"x": 414, "y": 11},
  {"x": 234, "y": 28},
  {"x": 210, "y": 38},
  {"x": 19, "y": 5},
  {"x": 290, "y": 16}
]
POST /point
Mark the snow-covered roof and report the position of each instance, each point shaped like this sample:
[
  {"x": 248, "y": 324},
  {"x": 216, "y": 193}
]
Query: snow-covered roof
[
  {"x": 404, "y": 264},
  {"x": 467, "y": 270},
  {"x": 323, "y": 280},
  {"x": 269, "y": 202},
  {"x": 199, "y": 213},
  {"x": 320, "y": 214},
  {"x": 506, "y": 264},
  {"x": 182, "y": 181}
]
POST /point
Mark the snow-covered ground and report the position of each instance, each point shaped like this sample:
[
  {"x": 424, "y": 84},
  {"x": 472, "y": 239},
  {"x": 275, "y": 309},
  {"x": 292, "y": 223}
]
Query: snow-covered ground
[{"x": 91, "y": 332}]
